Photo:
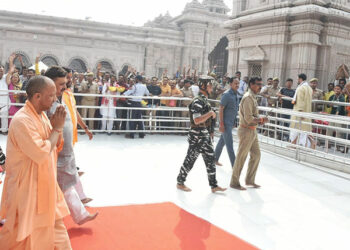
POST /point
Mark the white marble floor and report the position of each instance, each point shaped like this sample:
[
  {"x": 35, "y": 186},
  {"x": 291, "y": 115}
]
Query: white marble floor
[{"x": 298, "y": 207}]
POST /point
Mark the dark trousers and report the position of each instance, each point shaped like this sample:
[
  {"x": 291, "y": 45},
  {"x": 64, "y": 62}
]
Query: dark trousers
[
  {"x": 123, "y": 114},
  {"x": 285, "y": 133},
  {"x": 226, "y": 140},
  {"x": 163, "y": 114},
  {"x": 136, "y": 114},
  {"x": 199, "y": 143}
]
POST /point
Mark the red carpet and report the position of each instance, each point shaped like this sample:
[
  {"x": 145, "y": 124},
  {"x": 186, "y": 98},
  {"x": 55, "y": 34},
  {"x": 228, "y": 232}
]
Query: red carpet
[{"x": 150, "y": 227}]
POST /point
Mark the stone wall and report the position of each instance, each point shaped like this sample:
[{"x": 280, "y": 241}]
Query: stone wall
[
  {"x": 164, "y": 43},
  {"x": 287, "y": 41}
]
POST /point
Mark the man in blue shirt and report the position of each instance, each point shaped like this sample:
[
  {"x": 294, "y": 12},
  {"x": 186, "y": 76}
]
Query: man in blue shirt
[
  {"x": 243, "y": 85},
  {"x": 228, "y": 113},
  {"x": 138, "y": 90}
]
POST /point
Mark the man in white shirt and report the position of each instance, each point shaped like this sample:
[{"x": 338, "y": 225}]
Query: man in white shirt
[
  {"x": 195, "y": 89},
  {"x": 4, "y": 101},
  {"x": 242, "y": 85},
  {"x": 137, "y": 90}
]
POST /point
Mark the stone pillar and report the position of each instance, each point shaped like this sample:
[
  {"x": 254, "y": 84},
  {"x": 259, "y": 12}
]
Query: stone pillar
[
  {"x": 205, "y": 62},
  {"x": 233, "y": 53},
  {"x": 150, "y": 69},
  {"x": 195, "y": 36},
  {"x": 305, "y": 40}
]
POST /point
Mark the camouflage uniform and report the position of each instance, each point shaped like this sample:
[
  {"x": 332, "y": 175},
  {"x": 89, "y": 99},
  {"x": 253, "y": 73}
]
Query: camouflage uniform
[{"x": 200, "y": 141}]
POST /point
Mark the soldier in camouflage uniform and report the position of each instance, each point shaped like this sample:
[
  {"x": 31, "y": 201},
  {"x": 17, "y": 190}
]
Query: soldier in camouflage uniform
[{"x": 200, "y": 137}]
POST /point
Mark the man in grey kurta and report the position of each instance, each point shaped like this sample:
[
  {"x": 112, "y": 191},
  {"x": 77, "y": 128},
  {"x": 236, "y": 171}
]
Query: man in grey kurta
[{"x": 67, "y": 174}]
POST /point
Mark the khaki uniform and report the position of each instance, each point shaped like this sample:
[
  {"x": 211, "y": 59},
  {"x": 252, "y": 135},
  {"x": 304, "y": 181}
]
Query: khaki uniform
[
  {"x": 215, "y": 94},
  {"x": 89, "y": 101},
  {"x": 248, "y": 140},
  {"x": 272, "y": 92},
  {"x": 317, "y": 95}
]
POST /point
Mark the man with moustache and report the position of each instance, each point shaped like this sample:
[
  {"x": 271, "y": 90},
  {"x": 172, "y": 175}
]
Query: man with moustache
[
  {"x": 248, "y": 138},
  {"x": 67, "y": 174},
  {"x": 227, "y": 114}
]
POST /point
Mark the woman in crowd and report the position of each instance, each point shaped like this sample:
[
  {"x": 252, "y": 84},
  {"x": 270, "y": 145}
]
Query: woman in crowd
[{"x": 13, "y": 82}]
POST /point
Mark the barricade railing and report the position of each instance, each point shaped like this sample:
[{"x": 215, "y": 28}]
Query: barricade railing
[
  {"x": 165, "y": 119},
  {"x": 322, "y": 141}
]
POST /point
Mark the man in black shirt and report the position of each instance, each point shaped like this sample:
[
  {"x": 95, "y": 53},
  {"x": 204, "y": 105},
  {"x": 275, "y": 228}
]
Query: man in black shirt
[
  {"x": 154, "y": 90},
  {"x": 286, "y": 92}
]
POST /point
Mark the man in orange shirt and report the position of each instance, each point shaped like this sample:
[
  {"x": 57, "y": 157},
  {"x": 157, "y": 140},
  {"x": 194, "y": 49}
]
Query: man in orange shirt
[
  {"x": 32, "y": 202},
  {"x": 174, "y": 91},
  {"x": 166, "y": 92}
]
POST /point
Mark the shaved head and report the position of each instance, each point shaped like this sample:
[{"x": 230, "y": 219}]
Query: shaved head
[{"x": 37, "y": 84}]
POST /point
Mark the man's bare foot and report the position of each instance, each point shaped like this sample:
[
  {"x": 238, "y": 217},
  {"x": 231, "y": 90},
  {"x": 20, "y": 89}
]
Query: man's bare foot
[
  {"x": 183, "y": 188},
  {"x": 239, "y": 187},
  {"x": 218, "y": 189},
  {"x": 253, "y": 185},
  {"x": 80, "y": 173},
  {"x": 218, "y": 164},
  {"x": 88, "y": 218},
  {"x": 86, "y": 200}
]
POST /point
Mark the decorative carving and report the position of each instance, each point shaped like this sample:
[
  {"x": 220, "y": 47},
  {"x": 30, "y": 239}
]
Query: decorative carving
[
  {"x": 78, "y": 65},
  {"x": 194, "y": 5},
  {"x": 49, "y": 60},
  {"x": 256, "y": 54},
  {"x": 162, "y": 22}
]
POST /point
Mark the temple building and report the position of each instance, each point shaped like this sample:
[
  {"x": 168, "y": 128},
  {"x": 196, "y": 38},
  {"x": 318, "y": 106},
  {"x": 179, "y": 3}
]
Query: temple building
[
  {"x": 281, "y": 38},
  {"x": 164, "y": 43}
]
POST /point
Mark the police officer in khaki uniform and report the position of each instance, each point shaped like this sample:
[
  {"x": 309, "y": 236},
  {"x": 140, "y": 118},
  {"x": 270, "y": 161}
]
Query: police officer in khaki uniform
[
  {"x": 89, "y": 87},
  {"x": 317, "y": 94},
  {"x": 272, "y": 91},
  {"x": 248, "y": 139}
]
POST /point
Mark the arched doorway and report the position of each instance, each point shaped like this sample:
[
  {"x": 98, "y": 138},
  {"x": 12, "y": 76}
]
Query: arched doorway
[
  {"x": 106, "y": 66},
  {"x": 17, "y": 63},
  {"x": 219, "y": 57},
  {"x": 78, "y": 65},
  {"x": 124, "y": 69},
  {"x": 49, "y": 60}
]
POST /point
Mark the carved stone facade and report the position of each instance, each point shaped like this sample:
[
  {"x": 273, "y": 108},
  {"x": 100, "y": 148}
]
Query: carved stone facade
[
  {"x": 287, "y": 37},
  {"x": 164, "y": 43}
]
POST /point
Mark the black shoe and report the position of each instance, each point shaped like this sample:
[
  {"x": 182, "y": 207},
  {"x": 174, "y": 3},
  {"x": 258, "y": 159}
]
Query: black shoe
[{"x": 109, "y": 134}]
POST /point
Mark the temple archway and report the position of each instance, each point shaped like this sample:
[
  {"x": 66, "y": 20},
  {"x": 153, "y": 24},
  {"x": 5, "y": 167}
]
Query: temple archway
[{"x": 219, "y": 57}]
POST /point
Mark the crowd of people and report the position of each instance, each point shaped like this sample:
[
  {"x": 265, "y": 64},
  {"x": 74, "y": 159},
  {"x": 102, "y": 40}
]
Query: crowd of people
[
  {"x": 47, "y": 117},
  {"x": 182, "y": 84}
]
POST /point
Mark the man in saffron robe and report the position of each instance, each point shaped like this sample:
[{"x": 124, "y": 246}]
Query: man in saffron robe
[{"x": 32, "y": 202}]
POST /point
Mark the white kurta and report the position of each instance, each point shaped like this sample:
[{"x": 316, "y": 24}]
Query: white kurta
[
  {"x": 107, "y": 110},
  {"x": 303, "y": 103}
]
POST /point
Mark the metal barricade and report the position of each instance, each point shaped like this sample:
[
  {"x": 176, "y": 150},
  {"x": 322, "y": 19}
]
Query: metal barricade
[{"x": 175, "y": 120}]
